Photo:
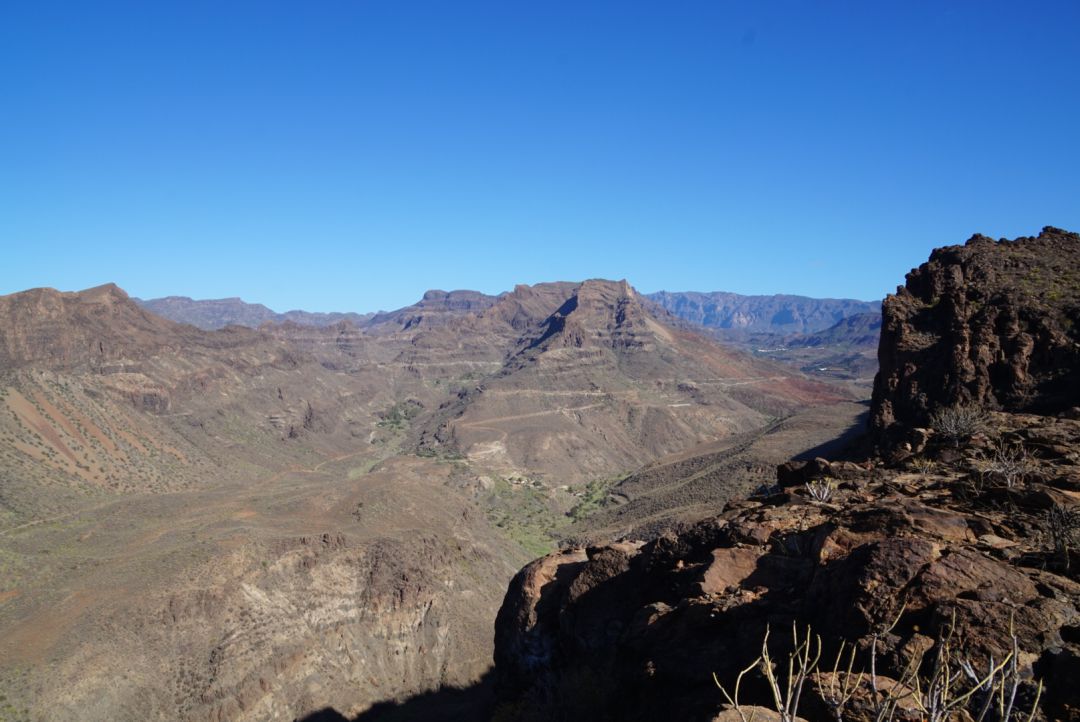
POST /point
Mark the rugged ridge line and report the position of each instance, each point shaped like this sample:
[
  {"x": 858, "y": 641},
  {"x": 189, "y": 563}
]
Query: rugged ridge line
[
  {"x": 990, "y": 323},
  {"x": 635, "y": 631}
]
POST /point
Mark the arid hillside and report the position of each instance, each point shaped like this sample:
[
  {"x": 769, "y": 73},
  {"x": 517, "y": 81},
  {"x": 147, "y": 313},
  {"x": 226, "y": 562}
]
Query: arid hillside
[
  {"x": 251, "y": 524},
  {"x": 938, "y": 580},
  {"x": 601, "y": 386}
]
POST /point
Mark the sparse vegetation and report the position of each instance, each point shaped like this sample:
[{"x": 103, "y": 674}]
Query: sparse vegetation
[
  {"x": 958, "y": 423},
  {"x": 949, "y": 687},
  {"x": 399, "y": 415},
  {"x": 1008, "y": 463},
  {"x": 1062, "y": 526},
  {"x": 525, "y": 514},
  {"x": 821, "y": 489},
  {"x": 593, "y": 498},
  {"x": 923, "y": 466}
]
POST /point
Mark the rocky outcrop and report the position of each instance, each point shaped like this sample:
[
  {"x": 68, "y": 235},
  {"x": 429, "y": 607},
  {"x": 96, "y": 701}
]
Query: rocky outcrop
[
  {"x": 436, "y": 309},
  {"x": 968, "y": 552},
  {"x": 633, "y": 631},
  {"x": 990, "y": 323},
  {"x": 97, "y": 328}
]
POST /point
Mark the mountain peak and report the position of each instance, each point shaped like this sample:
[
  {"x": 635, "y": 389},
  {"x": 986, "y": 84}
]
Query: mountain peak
[{"x": 105, "y": 290}]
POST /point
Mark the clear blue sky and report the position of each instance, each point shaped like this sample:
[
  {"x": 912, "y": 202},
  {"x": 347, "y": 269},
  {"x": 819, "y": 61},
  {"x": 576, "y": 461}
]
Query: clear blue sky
[{"x": 349, "y": 155}]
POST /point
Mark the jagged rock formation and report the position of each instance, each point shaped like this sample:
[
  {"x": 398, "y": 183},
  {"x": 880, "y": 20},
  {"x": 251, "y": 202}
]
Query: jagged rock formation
[
  {"x": 990, "y": 323},
  {"x": 784, "y": 314},
  {"x": 966, "y": 537},
  {"x": 633, "y": 631}
]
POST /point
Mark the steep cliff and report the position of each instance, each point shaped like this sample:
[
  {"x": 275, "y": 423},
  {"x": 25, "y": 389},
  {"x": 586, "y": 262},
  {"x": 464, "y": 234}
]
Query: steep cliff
[
  {"x": 636, "y": 631},
  {"x": 960, "y": 555},
  {"x": 990, "y": 323}
]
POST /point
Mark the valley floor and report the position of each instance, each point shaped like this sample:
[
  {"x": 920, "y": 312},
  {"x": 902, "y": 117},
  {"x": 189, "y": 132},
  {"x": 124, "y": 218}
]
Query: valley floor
[{"x": 338, "y": 584}]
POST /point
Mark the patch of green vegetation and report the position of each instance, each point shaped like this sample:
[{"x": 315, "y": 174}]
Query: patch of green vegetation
[
  {"x": 357, "y": 471},
  {"x": 400, "y": 415},
  {"x": 441, "y": 453},
  {"x": 525, "y": 513},
  {"x": 594, "y": 497}
]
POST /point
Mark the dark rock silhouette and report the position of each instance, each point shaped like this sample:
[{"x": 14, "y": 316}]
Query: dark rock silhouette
[{"x": 990, "y": 323}]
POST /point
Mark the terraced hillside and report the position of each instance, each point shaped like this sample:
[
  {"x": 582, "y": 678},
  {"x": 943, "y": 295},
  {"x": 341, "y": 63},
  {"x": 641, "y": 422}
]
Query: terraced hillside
[{"x": 254, "y": 524}]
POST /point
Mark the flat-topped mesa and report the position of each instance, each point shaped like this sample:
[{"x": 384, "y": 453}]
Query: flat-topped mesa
[
  {"x": 461, "y": 300},
  {"x": 990, "y": 323},
  {"x": 436, "y": 308}
]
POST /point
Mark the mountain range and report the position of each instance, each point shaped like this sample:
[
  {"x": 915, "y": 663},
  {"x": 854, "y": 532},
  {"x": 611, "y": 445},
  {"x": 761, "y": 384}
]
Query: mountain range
[
  {"x": 782, "y": 314},
  {"x": 326, "y": 519},
  {"x": 213, "y": 314},
  {"x": 247, "y": 523}
]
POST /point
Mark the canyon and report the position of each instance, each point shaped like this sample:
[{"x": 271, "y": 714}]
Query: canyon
[
  {"x": 561, "y": 502},
  {"x": 260, "y": 523}
]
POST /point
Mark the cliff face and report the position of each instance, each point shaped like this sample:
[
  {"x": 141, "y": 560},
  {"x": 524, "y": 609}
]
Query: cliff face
[
  {"x": 995, "y": 324},
  {"x": 633, "y": 631},
  {"x": 966, "y": 553}
]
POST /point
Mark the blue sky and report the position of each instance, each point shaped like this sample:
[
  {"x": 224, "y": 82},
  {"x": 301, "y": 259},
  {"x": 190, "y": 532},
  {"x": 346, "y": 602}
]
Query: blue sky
[{"x": 350, "y": 155}]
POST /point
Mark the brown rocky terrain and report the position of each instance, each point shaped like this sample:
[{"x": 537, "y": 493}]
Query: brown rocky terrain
[
  {"x": 635, "y": 631},
  {"x": 260, "y": 523},
  {"x": 958, "y": 554},
  {"x": 600, "y": 386},
  {"x": 690, "y": 485},
  {"x": 990, "y": 323}
]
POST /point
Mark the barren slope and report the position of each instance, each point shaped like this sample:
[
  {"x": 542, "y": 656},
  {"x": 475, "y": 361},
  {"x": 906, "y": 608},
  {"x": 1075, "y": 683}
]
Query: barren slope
[
  {"x": 601, "y": 386},
  {"x": 234, "y": 524}
]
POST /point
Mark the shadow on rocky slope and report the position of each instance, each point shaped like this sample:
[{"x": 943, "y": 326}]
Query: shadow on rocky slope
[
  {"x": 450, "y": 704},
  {"x": 956, "y": 551}
]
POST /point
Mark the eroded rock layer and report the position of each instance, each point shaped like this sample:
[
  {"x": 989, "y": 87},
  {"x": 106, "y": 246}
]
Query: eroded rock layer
[{"x": 991, "y": 323}]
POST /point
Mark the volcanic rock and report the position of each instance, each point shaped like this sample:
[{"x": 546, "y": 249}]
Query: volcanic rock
[{"x": 995, "y": 324}]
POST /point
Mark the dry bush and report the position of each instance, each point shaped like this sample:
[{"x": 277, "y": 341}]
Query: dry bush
[
  {"x": 958, "y": 423},
  {"x": 821, "y": 489},
  {"x": 1008, "y": 463},
  {"x": 954, "y": 688},
  {"x": 923, "y": 466},
  {"x": 1062, "y": 526}
]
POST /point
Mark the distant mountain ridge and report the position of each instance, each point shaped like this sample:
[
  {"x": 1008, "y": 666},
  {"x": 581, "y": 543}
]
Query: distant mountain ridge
[
  {"x": 730, "y": 313},
  {"x": 779, "y": 313},
  {"x": 213, "y": 314}
]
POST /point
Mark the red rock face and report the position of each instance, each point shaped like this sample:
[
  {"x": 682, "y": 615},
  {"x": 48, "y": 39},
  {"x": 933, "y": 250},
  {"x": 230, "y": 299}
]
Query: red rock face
[
  {"x": 635, "y": 632},
  {"x": 992, "y": 323}
]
